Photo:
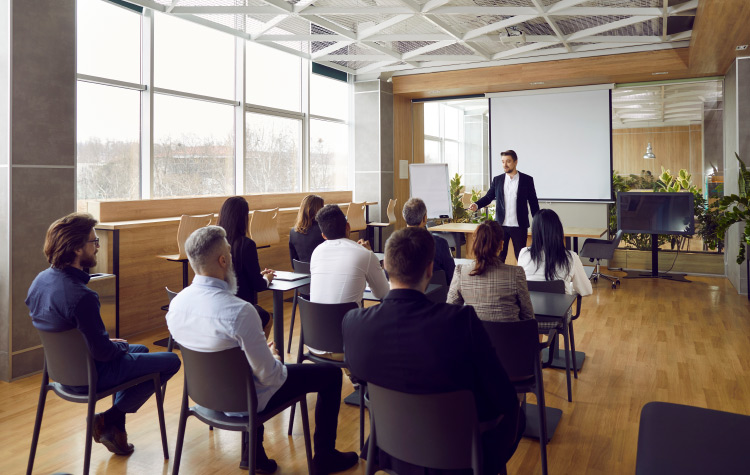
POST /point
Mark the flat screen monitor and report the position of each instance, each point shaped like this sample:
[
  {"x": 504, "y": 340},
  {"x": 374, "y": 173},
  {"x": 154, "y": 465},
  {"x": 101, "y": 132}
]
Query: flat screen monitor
[{"x": 655, "y": 213}]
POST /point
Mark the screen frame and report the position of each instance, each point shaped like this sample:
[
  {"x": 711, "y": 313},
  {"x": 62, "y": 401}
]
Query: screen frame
[{"x": 689, "y": 196}]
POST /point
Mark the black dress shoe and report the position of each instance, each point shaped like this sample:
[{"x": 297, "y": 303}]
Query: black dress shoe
[
  {"x": 100, "y": 427},
  {"x": 334, "y": 462},
  {"x": 116, "y": 442}
]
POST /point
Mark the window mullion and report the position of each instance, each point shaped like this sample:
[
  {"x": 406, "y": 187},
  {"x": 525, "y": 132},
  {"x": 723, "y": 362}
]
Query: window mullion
[
  {"x": 147, "y": 103},
  {"x": 239, "y": 116}
]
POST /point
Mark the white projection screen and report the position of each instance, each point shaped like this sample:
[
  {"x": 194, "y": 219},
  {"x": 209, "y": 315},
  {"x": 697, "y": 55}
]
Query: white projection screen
[{"x": 563, "y": 139}]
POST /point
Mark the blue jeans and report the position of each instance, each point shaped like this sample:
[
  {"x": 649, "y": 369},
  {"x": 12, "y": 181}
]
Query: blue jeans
[{"x": 137, "y": 362}]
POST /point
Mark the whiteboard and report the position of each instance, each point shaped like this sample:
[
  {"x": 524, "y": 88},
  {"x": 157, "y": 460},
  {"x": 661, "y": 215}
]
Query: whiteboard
[
  {"x": 431, "y": 183},
  {"x": 563, "y": 140}
]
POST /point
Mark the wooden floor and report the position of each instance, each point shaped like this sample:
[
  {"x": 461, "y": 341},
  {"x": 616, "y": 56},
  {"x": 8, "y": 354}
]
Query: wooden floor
[{"x": 650, "y": 340}]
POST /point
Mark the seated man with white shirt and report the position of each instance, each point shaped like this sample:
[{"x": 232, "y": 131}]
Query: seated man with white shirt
[
  {"x": 208, "y": 317},
  {"x": 339, "y": 267}
]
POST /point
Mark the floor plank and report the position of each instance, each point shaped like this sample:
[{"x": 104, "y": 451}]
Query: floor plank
[{"x": 649, "y": 340}]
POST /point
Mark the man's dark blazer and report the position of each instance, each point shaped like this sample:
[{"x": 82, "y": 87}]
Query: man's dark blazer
[
  {"x": 443, "y": 258},
  {"x": 412, "y": 345},
  {"x": 526, "y": 199}
]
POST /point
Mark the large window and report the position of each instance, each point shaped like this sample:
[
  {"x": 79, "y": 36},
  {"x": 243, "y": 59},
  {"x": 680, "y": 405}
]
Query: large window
[
  {"x": 108, "y": 130},
  {"x": 193, "y": 147},
  {"x": 273, "y": 154},
  {"x": 295, "y": 131},
  {"x": 456, "y": 132}
]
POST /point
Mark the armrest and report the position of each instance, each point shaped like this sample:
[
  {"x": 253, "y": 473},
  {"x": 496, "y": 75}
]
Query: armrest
[
  {"x": 551, "y": 353},
  {"x": 579, "y": 299},
  {"x": 551, "y": 335}
]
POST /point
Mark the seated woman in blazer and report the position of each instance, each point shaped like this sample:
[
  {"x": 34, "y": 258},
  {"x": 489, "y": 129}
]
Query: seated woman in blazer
[
  {"x": 305, "y": 236},
  {"x": 234, "y": 217},
  {"x": 497, "y": 291}
]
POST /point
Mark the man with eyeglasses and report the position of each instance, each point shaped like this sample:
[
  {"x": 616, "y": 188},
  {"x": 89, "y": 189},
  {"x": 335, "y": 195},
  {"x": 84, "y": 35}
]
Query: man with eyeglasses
[{"x": 59, "y": 300}]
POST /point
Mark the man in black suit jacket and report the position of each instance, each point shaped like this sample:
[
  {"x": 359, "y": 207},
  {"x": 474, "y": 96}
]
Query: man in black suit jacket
[
  {"x": 409, "y": 344},
  {"x": 514, "y": 194}
]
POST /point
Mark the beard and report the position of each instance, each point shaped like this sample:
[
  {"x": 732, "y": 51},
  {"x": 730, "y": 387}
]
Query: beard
[
  {"x": 88, "y": 262},
  {"x": 231, "y": 279}
]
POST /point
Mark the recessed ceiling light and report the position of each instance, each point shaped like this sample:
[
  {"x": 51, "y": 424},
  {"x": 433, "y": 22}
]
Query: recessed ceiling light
[
  {"x": 659, "y": 73},
  {"x": 537, "y": 83},
  {"x": 741, "y": 48}
]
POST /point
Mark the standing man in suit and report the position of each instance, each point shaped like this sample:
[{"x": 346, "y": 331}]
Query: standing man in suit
[
  {"x": 514, "y": 194},
  {"x": 412, "y": 345}
]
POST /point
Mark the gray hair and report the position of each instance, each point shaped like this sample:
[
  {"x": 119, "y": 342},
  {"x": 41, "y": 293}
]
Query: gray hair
[
  {"x": 414, "y": 212},
  {"x": 203, "y": 245}
]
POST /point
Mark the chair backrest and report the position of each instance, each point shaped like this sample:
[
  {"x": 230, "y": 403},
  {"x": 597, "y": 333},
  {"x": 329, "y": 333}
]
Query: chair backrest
[
  {"x": 392, "y": 210},
  {"x": 170, "y": 294},
  {"x": 264, "y": 228},
  {"x": 355, "y": 216},
  {"x": 188, "y": 224},
  {"x": 67, "y": 357},
  {"x": 321, "y": 324},
  {"x": 517, "y": 346},
  {"x": 302, "y": 268},
  {"x": 436, "y": 431},
  {"x": 549, "y": 286},
  {"x": 220, "y": 380}
]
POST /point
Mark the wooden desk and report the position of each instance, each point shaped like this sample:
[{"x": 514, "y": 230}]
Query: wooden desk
[{"x": 468, "y": 230}]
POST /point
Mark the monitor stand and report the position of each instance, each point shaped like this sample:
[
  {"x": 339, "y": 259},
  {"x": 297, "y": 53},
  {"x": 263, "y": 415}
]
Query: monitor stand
[{"x": 655, "y": 274}]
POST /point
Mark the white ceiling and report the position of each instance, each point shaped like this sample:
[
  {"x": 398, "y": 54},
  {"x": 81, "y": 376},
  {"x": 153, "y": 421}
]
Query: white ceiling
[{"x": 365, "y": 37}]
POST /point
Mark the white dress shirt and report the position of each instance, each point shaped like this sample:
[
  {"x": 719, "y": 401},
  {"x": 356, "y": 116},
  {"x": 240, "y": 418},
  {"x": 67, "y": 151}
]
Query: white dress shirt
[
  {"x": 510, "y": 190},
  {"x": 340, "y": 269},
  {"x": 575, "y": 282},
  {"x": 206, "y": 317}
]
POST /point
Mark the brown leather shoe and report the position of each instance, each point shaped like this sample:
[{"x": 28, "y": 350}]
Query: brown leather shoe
[
  {"x": 116, "y": 442},
  {"x": 100, "y": 427}
]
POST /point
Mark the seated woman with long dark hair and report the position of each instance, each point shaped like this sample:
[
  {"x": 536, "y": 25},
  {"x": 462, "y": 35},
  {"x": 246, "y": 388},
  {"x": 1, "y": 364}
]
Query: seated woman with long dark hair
[
  {"x": 497, "y": 291},
  {"x": 547, "y": 258},
  {"x": 234, "y": 217},
  {"x": 305, "y": 236}
]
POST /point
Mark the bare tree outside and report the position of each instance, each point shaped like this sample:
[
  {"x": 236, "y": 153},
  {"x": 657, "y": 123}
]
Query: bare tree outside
[
  {"x": 108, "y": 169},
  {"x": 273, "y": 154}
]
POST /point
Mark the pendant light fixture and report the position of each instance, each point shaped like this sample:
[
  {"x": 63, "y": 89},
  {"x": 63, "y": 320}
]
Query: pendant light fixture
[{"x": 649, "y": 153}]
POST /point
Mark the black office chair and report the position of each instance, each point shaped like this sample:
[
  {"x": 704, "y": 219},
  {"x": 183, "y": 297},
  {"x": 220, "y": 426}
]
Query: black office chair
[
  {"x": 68, "y": 362},
  {"x": 518, "y": 349},
  {"x": 438, "y": 431},
  {"x": 321, "y": 329},
  {"x": 563, "y": 325},
  {"x": 301, "y": 268},
  {"x": 598, "y": 249},
  {"x": 222, "y": 382},
  {"x": 440, "y": 293}
]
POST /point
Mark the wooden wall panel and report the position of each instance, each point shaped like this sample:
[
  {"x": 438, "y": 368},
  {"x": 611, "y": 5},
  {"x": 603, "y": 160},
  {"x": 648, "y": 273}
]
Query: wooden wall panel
[
  {"x": 617, "y": 68},
  {"x": 720, "y": 26},
  {"x": 109, "y": 211},
  {"x": 402, "y": 150},
  {"x": 675, "y": 148}
]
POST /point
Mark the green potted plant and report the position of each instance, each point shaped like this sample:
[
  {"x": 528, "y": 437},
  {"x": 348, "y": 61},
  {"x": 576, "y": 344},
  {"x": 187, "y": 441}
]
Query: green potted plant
[{"x": 734, "y": 209}]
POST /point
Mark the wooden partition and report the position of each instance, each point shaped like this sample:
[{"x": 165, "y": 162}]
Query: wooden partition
[
  {"x": 145, "y": 229},
  {"x": 675, "y": 147}
]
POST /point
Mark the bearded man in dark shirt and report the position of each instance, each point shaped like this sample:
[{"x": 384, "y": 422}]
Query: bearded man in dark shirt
[{"x": 59, "y": 300}]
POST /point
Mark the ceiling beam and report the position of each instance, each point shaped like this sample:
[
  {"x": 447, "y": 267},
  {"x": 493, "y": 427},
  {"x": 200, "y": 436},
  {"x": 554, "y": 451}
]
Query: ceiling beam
[
  {"x": 329, "y": 49},
  {"x": 521, "y": 49},
  {"x": 427, "y": 48},
  {"x": 497, "y": 26},
  {"x": 361, "y": 35},
  {"x": 353, "y": 10},
  {"x": 411, "y": 37},
  {"x": 476, "y": 10},
  {"x": 609, "y": 27}
]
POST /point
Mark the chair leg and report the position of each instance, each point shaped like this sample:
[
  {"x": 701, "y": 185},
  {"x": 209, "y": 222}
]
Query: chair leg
[
  {"x": 566, "y": 341},
  {"x": 160, "y": 414},
  {"x": 306, "y": 433},
  {"x": 370, "y": 467},
  {"x": 89, "y": 434},
  {"x": 250, "y": 437},
  {"x": 573, "y": 350},
  {"x": 291, "y": 419},
  {"x": 542, "y": 426},
  {"x": 291, "y": 325},
  {"x": 361, "y": 416},
  {"x": 37, "y": 423},
  {"x": 180, "y": 435}
]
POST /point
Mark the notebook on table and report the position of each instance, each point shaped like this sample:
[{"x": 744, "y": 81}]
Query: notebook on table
[{"x": 288, "y": 276}]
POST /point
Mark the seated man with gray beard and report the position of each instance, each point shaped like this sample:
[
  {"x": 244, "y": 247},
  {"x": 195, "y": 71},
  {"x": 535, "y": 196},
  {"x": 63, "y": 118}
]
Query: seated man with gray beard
[{"x": 208, "y": 317}]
